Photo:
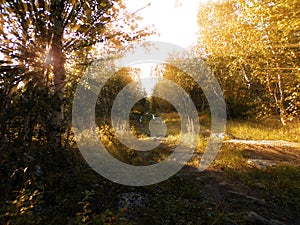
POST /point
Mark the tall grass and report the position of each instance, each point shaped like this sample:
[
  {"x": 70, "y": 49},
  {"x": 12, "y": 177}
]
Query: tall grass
[{"x": 269, "y": 129}]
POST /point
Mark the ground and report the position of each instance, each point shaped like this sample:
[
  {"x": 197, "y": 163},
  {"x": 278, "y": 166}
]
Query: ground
[
  {"x": 247, "y": 184},
  {"x": 251, "y": 181}
]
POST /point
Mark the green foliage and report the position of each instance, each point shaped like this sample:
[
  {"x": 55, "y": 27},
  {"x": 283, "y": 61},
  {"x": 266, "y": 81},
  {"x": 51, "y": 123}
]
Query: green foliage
[
  {"x": 44, "y": 54},
  {"x": 48, "y": 189},
  {"x": 110, "y": 91},
  {"x": 182, "y": 79},
  {"x": 87, "y": 216},
  {"x": 254, "y": 48}
]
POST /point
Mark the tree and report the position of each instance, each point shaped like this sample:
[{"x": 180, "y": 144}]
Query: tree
[
  {"x": 40, "y": 40},
  {"x": 184, "y": 80},
  {"x": 257, "y": 43},
  {"x": 110, "y": 91}
]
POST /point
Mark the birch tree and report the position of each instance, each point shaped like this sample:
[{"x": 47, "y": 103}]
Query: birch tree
[{"x": 257, "y": 41}]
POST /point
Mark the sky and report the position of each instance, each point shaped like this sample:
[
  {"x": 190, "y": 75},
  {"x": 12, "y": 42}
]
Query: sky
[{"x": 174, "y": 20}]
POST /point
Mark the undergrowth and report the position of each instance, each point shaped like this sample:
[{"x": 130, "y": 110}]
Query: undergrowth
[{"x": 43, "y": 187}]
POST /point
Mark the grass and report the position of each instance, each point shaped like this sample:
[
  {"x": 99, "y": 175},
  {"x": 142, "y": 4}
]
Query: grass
[
  {"x": 183, "y": 199},
  {"x": 280, "y": 183},
  {"x": 180, "y": 201},
  {"x": 279, "y": 186},
  {"x": 70, "y": 192},
  {"x": 270, "y": 129}
]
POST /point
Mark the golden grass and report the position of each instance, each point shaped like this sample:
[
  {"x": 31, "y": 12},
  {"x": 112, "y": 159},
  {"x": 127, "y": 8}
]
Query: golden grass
[{"x": 264, "y": 130}]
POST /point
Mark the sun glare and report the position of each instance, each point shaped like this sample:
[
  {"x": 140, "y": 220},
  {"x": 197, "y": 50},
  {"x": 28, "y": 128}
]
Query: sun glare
[
  {"x": 2, "y": 57},
  {"x": 147, "y": 70},
  {"x": 175, "y": 22}
]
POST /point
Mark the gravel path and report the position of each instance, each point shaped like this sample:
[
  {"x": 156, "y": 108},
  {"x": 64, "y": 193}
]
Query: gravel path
[
  {"x": 277, "y": 151},
  {"x": 274, "y": 143}
]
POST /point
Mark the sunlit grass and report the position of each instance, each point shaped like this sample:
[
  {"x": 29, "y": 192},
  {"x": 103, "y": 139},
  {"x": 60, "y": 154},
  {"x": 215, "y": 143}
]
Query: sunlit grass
[
  {"x": 269, "y": 129},
  {"x": 264, "y": 130}
]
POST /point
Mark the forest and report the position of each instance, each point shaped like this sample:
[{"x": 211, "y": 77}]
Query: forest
[{"x": 233, "y": 99}]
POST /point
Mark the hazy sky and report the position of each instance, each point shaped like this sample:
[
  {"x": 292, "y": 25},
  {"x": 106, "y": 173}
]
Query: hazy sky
[{"x": 176, "y": 21}]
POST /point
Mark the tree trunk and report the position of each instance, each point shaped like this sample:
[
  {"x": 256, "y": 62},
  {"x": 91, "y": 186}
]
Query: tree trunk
[
  {"x": 279, "y": 101},
  {"x": 282, "y": 110},
  {"x": 59, "y": 74}
]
